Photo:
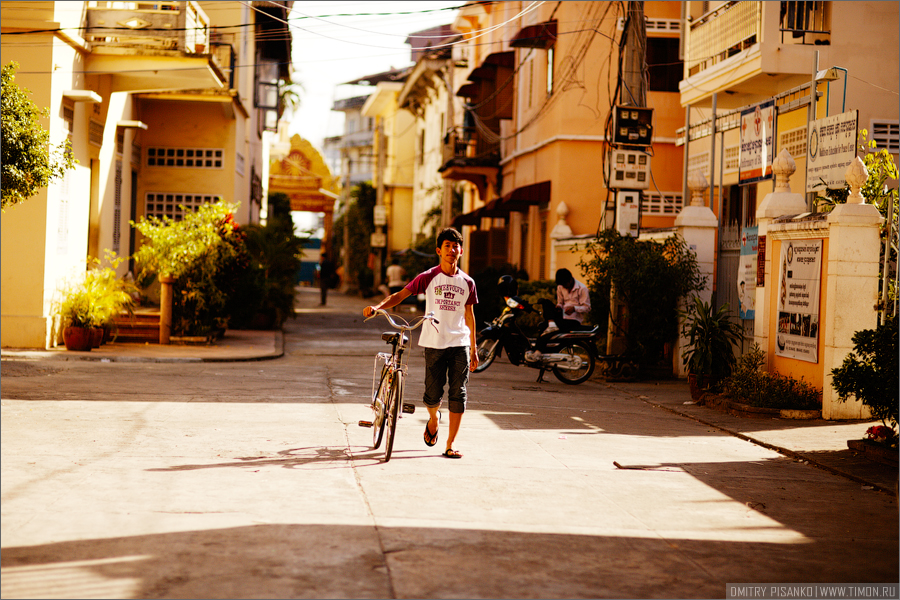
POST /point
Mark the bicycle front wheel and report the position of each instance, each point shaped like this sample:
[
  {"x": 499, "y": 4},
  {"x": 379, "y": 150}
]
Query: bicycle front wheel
[
  {"x": 392, "y": 413},
  {"x": 379, "y": 406}
]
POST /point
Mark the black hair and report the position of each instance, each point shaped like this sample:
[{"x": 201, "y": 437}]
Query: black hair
[
  {"x": 449, "y": 234},
  {"x": 563, "y": 277}
]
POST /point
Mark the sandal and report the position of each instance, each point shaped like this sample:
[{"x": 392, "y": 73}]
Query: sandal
[
  {"x": 431, "y": 438},
  {"x": 451, "y": 453}
]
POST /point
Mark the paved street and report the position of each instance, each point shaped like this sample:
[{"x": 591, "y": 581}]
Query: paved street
[{"x": 252, "y": 479}]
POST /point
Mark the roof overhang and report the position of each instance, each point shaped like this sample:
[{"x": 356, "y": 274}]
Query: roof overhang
[
  {"x": 419, "y": 82},
  {"x": 149, "y": 73},
  {"x": 382, "y": 100}
]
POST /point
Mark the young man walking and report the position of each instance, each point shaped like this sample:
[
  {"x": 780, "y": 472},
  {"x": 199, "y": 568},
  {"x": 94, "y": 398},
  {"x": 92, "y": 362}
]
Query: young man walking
[{"x": 450, "y": 348}]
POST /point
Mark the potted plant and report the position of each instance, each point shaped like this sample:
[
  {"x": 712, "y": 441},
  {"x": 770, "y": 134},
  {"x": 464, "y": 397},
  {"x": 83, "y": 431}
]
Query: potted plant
[
  {"x": 711, "y": 336},
  {"x": 92, "y": 303}
]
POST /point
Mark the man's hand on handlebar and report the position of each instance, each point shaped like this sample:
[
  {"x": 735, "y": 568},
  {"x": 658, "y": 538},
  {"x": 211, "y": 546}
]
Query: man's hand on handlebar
[{"x": 368, "y": 311}]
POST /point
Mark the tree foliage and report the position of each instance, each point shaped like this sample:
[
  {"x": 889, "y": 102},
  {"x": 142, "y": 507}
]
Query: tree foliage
[
  {"x": 359, "y": 220},
  {"x": 650, "y": 277},
  {"x": 29, "y": 163},
  {"x": 204, "y": 252}
]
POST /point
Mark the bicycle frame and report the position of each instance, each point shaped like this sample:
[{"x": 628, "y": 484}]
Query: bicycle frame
[{"x": 387, "y": 390}]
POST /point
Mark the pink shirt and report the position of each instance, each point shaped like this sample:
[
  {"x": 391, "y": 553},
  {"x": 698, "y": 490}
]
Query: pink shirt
[{"x": 578, "y": 298}]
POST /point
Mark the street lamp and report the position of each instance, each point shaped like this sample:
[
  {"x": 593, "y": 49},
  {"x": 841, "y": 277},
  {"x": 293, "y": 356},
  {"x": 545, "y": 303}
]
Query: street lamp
[{"x": 829, "y": 75}]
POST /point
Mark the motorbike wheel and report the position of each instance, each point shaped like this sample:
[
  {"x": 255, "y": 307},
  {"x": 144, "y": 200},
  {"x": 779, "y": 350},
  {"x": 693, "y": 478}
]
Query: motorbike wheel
[
  {"x": 576, "y": 376},
  {"x": 487, "y": 352}
]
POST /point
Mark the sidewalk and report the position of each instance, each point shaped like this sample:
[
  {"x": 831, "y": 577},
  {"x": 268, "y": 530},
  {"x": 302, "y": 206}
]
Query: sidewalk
[
  {"x": 818, "y": 442},
  {"x": 237, "y": 345}
]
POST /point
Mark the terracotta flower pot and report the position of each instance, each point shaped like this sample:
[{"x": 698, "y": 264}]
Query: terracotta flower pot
[
  {"x": 78, "y": 338},
  {"x": 96, "y": 337}
]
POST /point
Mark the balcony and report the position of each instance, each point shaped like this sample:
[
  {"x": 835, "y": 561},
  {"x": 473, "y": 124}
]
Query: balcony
[
  {"x": 469, "y": 156},
  {"x": 724, "y": 50},
  {"x": 722, "y": 33},
  {"x": 149, "y": 26}
]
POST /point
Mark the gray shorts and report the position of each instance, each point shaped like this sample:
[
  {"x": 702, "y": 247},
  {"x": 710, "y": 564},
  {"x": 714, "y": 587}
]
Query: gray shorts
[{"x": 442, "y": 365}]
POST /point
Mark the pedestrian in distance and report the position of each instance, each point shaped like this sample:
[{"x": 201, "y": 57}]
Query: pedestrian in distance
[
  {"x": 396, "y": 276},
  {"x": 573, "y": 301},
  {"x": 326, "y": 276},
  {"x": 449, "y": 345}
]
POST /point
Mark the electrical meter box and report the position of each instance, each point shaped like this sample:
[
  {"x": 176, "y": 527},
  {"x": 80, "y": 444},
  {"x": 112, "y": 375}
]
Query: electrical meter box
[
  {"x": 633, "y": 126},
  {"x": 629, "y": 170}
]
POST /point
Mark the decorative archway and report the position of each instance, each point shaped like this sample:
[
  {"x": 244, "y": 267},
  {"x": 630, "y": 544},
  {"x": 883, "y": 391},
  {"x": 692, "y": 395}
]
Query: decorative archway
[{"x": 301, "y": 175}]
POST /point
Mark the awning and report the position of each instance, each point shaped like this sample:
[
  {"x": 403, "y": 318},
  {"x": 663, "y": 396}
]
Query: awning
[
  {"x": 488, "y": 72},
  {"x": 528, "y": 195},
  {"x": 542, "y": 35},
  {"x": 492, "y": 209},
  {"x": 469, "y": 218},
  {"x": 469, "y": 90}
]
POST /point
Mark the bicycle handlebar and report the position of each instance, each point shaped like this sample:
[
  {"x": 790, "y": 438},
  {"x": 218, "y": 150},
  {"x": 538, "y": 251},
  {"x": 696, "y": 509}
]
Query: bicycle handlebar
[{"x": 406, "y": 326}]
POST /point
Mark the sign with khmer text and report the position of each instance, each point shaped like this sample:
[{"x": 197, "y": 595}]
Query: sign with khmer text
[
  {"x": 831, "y": 147},
  {"x": 799, "y": 289}
]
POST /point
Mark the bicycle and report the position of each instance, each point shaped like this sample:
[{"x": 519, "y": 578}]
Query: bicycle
[{"x": 387, "y": 393}]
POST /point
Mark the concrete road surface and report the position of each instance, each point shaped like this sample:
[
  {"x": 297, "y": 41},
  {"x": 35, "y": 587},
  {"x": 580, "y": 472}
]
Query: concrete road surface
[{"x": 252, "y": 479}]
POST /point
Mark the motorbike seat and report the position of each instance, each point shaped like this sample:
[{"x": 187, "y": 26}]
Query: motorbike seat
[{"x": 393, "y": 337}]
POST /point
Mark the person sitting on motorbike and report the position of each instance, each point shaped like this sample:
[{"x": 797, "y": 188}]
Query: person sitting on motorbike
[{"x": 573, "y": 301}]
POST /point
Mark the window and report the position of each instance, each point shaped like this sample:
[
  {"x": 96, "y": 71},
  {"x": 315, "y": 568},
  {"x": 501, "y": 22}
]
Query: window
[
  {"x": 167, "y": 204},
  {"x": 550, "y": 70},
  {"x": 887, "y": 135},
  {"x": 665, "y": 68},
  {"x": 667, "y": 203},
  {"x": 530, "y": 81},
  {"x": 196, "y": 158}
]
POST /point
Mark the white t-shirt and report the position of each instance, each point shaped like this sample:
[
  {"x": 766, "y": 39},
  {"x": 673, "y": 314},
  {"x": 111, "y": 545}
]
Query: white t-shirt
[{"x": 448, "y": 296}]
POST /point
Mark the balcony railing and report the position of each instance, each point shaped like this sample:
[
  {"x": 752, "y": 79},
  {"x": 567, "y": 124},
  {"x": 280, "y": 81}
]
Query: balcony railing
[
  {"x": 465, "y": 145},
  {"x": 722, "y": 33},
  {"x": 180, "y": 26}
]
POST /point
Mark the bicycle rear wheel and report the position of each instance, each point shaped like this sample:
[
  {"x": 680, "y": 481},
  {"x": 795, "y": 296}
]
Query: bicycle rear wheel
[
  {"x": 379, "y": 405},
  {"x": 392, "y": 413}
]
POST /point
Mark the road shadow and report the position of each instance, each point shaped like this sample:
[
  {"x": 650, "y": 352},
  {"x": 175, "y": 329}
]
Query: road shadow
[{"x": 351, "y": 561}]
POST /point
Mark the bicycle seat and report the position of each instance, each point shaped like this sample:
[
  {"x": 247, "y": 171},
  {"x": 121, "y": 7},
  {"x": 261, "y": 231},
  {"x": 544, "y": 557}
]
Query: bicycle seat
[{"x": 393, "y": 337}]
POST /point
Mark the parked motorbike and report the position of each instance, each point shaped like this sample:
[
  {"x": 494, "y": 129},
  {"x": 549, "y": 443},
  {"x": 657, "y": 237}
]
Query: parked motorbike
[{"x": 569, "y": 353}]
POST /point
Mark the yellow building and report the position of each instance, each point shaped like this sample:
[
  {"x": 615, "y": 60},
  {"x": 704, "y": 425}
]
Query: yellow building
[
  {"x": 738, "y": 55},
  {"x": 165, "y": 103},
  {"x": 534, "y": 138}
]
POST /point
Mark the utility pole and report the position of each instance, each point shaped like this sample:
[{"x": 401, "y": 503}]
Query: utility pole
[
  {"x": 381, "y": 170},
  {"x": 634, "y": 84}
]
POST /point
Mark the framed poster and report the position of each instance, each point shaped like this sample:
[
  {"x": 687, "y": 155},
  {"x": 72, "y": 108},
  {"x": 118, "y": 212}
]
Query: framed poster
[
  {"x": 757, "y": 142},
  {"x": 746, "y": 279},
  {"x": 799, "y": 290}
]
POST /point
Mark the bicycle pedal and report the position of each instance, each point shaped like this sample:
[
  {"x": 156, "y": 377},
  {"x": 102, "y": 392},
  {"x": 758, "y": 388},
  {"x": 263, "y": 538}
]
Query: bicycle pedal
[
  {"x": 409, "y": 408},
  {"x": 365, "y": 423}
]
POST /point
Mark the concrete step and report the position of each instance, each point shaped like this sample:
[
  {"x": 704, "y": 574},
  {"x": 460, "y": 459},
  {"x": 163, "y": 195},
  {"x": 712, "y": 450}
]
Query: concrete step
[{"x": 140, "y": 327}]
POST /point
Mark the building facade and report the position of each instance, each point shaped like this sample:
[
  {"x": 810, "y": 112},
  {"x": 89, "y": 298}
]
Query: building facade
[{"x": 166, "y": 104}]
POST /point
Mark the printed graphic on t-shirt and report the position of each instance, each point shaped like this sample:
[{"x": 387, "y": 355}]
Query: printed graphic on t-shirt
[{"x": 447, "y": 296}]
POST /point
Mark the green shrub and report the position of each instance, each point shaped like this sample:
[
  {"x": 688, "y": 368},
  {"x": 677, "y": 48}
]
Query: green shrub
[
  {"x": 205, "y": 253},
  {"x": 749, "y": 384},
  {"x": 869, "y": 373},
  {"x": 650, "y": 277}
]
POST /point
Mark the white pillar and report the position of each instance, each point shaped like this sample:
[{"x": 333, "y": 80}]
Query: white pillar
[
  {"x": 852, "y": 286},
  {"x": 776, "y": 204},
  {"x": 697, "y": 225}
]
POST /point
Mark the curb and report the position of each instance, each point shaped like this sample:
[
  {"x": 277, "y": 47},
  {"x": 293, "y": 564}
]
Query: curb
[
  {"x": 63, "y": 356},
  {"x": 784, "y": 451}
]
